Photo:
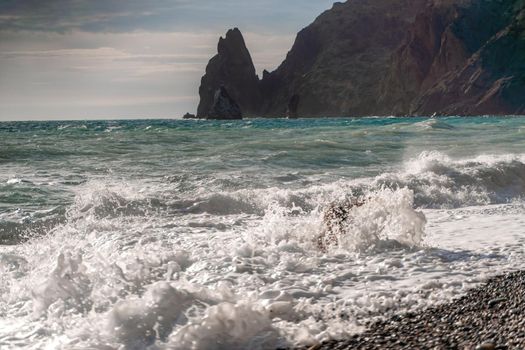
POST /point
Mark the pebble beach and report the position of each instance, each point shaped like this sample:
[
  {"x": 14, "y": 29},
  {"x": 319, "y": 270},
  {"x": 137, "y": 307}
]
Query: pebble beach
[{"x": 488, "y": 317}]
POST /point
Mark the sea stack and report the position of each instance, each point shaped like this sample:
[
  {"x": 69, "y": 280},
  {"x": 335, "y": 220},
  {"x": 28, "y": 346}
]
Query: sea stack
[{"x": 230, "y": 77}]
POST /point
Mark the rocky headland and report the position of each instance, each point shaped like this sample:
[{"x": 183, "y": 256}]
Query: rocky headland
[{"x": 383, "y": 57}]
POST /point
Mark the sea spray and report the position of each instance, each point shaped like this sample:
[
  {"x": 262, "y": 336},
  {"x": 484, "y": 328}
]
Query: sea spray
[
  {"x": 67, "y": 283},
  {"x": 386, "y": 217},
  {"x": 136, "y": 237},
  {"x": 439, "y": 181}
]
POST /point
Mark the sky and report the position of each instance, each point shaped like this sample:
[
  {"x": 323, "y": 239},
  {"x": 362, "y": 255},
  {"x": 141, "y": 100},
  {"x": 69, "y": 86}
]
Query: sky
[{"x": 96, "y": 59}]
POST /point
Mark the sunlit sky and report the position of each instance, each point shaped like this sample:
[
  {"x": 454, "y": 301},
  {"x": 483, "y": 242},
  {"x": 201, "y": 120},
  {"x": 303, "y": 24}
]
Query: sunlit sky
[{"x": 71, "y": 59}]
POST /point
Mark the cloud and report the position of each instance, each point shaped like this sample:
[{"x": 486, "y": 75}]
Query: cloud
[
  {"x": 156, "y": 15},
  {"x": 129, "y": 58},
  {"x": 99, "y": 53},
  {"x": 156, "y": 74}
]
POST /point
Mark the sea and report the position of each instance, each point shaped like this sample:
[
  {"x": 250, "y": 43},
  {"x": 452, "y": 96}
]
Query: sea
[{"x": 193, "y": 234}]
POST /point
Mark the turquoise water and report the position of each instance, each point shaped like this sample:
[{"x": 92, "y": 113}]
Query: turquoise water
[
  {"x": 42, "y": 162},
  {"x": 233, "y": 208}
]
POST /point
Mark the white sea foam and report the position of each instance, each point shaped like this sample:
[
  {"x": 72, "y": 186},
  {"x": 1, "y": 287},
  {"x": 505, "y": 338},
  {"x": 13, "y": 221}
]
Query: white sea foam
[
  {"x": 436, "y": 180},
  {"x": 14, "y": 181},
  {"x": 227, "y": 326},
  {"x": 441, "y": 182},
  {"x": 135, "y": 266},
  {"x": 386, "y": 216},
  {"x": 433, "y": 124}
]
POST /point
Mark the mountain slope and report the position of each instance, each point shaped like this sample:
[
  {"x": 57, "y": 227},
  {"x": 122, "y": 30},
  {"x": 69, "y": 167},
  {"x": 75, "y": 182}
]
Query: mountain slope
[{"x": 388, "y": 57}]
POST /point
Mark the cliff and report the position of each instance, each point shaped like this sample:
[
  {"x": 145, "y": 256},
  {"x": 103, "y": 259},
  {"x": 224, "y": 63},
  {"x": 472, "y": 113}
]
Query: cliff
[
  {"x": 491, "y": 79},
  {"x": 385, "y": 57},
  {"x": 461, "y": 58}
]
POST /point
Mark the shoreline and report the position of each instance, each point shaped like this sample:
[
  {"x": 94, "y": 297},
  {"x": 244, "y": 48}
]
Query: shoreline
[{"x": 489, "y": 317}]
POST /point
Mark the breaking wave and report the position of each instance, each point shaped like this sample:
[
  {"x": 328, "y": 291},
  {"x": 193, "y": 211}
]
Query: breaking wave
[
  {"x": 242, "y": 268},
  {"x": 441, "y": 182},
  {"x": 436, "y": 180}
]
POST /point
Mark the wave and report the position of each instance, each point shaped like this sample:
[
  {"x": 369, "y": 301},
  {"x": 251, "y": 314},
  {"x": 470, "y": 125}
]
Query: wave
[
  {"x": 13, "y": 232},
  {"x": 134, "y": 289},
  {"x": 386, "y": 220},
  {"x": 441, "y": 182},
  {"x": 436, "y": 180},
  {"x": 433, "y": 124},
  {"x": 105, "y": 201}
]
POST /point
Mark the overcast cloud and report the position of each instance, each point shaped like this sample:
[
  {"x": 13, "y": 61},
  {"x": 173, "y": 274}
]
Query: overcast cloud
[{"x": 128, "y": 59}]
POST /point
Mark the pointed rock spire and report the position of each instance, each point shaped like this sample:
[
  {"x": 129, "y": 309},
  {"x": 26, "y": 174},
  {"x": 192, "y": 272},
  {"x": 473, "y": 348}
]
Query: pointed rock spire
[{"x": 231, "y": 70}]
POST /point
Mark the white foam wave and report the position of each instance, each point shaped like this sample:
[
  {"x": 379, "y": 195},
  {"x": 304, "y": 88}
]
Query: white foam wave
[
  {"x": 132, "y": 267},
  {"x": 228, "y": 326},
  {"x": 387, "y": 217},
  {"x": 14, "y": 181},
  {"x": 432, "y": 124},
  {"x": 441, "y": 182},
  {"x": 436, "y": 180}
]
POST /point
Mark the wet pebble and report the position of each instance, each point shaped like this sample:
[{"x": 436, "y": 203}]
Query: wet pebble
[{"x": 465, "y": 323}]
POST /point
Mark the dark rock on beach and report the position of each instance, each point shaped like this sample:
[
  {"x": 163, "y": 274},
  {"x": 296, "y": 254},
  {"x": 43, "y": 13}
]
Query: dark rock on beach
[
  {"x": 385, "y": 57},
  {"x": 491, "y": 316}
]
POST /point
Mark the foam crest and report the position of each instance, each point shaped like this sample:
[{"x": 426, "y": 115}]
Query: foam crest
[
  {"x": 102, "y": 200},
  {"x": 138, "y": 322},
  {"x": 434, "y": 124},
  {"x": 441, "y": 182},
  {"x": 227, "y": 326},
  {"x": 68, "y": 283},
  {"x": 386, "y": 219}
]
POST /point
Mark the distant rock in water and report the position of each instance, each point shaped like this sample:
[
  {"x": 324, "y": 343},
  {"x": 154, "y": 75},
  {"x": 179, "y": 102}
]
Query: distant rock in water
[
  {"x": 385, "y": 57},
  {"x": 233, "y": 69},
  {"x": 224, "y": 107},
  {"x": 189, "y": 116}
]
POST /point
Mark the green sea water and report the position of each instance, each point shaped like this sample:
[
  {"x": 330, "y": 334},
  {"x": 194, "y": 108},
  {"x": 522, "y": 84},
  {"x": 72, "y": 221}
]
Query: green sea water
[
  {"x": 42, "y": 162},
  {"x": 157, "y": 234}
]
